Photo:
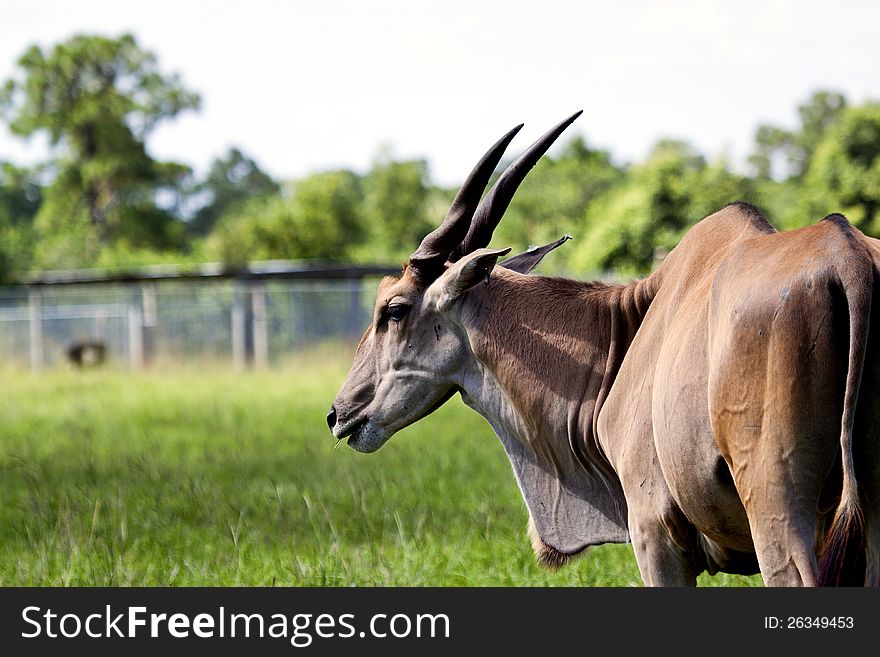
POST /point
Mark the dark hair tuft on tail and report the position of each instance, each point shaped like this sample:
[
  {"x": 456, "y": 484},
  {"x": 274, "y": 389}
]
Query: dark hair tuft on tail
[{"x": 843, "y": 557}]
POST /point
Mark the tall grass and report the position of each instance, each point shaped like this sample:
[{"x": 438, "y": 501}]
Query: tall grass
[{"x": 208, "y": 477}]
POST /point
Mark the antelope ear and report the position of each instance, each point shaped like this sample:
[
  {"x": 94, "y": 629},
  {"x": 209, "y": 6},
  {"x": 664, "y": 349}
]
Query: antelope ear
[
  {"x": 471, "y": 270},
  {"x": 526, "y": 262}
]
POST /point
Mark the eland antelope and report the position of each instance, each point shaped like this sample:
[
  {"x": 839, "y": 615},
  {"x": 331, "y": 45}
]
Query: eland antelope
[{"x": 721, "y": 414}]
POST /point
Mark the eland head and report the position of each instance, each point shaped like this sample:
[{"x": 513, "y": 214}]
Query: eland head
[{"x": 414, "y": 356}]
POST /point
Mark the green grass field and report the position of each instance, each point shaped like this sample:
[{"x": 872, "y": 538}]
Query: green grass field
[{"x": 208, "y": 477}]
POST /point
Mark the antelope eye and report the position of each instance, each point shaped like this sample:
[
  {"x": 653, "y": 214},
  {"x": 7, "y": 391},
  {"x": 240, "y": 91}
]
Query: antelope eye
[{"x": 397, "y": 312}]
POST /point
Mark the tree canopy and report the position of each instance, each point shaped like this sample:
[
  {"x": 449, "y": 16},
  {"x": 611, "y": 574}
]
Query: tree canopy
[
  {"x": 101, "y": 198},
  {"x": 230, "y": 182},
  {"x": 792, "y": 150},
  {"x": 641, "y": 219},
  {"x": 844, "y": 171},
  {"x": 98, "y": 99}
]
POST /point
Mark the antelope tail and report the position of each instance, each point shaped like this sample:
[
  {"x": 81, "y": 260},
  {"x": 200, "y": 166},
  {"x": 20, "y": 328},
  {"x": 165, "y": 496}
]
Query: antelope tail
[{"x": 843, "y": 557}]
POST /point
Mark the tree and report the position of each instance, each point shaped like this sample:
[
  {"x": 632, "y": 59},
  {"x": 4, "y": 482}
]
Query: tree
[
  {"x": 231, "y": 181},
  {"x": 796, "y": 148},
  {"x": 20, "y": 197},
  {"x": 98, "y": 99},
  {"x": 638, "y": 221},
  {"x": 844, "y": 175},
  {"x": 321, "y": 219},
  {"x": 396, "y": 205}
]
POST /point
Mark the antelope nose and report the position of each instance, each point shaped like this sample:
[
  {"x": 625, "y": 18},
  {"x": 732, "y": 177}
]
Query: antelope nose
[{"x": 331, "y": 418}]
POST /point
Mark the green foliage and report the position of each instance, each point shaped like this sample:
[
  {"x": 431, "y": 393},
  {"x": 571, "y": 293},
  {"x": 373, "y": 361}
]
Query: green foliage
[
  {"x": 20, "y": 195},
  {"x": 320, "y": 219},
  {"x": 16, "y": 251},
  {"x": 20, "y": 198},
  {"x": 65, "y": 236},
  {"x": 87, "y": 88},
  {"x": 844, "y": 175},
  {"x": 640, "y": 220},
  {"x": 98, "y": 99},
  {"x": 121, "y": 257},
  {"x": 797, "y": 147},
  {"x": 231, "y": 181},
  {"x": 396, "y": 207}
]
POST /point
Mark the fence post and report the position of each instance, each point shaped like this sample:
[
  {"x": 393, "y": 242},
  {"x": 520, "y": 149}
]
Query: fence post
[
  {"x": 239, "y": 349},
  {"x": 259, "y": 324},
  {"x": 150, "y": 322},
  {"x": 135, "y": 336},
  {"x": 35, "y": 310}
]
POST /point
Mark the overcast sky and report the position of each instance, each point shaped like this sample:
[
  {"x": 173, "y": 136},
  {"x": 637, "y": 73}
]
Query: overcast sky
[{"x": 303, "y": 86}]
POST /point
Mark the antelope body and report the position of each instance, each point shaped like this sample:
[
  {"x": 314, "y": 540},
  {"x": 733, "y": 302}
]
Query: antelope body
[{"x": 721, "y": 414}]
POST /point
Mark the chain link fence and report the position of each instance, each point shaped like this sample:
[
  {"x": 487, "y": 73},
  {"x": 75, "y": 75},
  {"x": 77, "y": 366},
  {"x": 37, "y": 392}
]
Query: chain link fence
[{"x": 135, "y": 324}]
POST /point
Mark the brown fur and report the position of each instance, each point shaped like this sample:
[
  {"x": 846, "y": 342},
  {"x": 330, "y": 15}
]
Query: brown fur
[
  {"x": 704, "y": 413},
  {"x": 585, "y": 327}
]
